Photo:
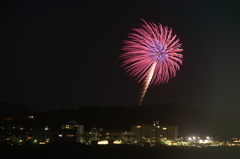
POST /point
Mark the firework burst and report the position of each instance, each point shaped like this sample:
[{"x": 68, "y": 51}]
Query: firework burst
[{"x": 152, "y": 55}]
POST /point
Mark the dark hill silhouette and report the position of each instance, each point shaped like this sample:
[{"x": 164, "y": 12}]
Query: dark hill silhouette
[{"x": 14, "y": 110}]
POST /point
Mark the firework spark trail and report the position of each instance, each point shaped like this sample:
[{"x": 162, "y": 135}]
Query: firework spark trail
[
  {"x": 146, "y": 83},
  {"x": 152, "y": 55}
]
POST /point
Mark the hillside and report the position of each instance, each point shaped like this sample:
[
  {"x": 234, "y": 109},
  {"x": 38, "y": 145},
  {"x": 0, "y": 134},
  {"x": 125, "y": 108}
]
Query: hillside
[{"x": 14, "y": 110}]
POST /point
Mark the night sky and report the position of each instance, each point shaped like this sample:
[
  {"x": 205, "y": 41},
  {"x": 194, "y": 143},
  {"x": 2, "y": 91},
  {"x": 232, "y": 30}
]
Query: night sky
[{"x": 65, "y": 54}]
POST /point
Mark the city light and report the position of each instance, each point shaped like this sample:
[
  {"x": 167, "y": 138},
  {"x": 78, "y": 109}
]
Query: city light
[
  {"x": 117, "y": 142},
  {"x": 103, "y": 142}
]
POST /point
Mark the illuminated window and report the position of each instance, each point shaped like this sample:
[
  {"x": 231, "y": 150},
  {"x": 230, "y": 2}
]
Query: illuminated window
[
  {"x": 67, "y": 127},
  {"x": 107, "y": 133},
  {"x": 30, "y": 116},
  {"x": 60, "y": 135},
  {"x": 138, "y": 126},
  {"x": 164, "y": 128},
  {"x": 158, "y": 126},
  {"x": 29, "y": 137}
]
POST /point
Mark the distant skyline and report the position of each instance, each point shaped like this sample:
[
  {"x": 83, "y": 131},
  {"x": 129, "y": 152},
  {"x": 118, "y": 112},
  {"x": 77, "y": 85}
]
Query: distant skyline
[{"x": 65, "y": 54}]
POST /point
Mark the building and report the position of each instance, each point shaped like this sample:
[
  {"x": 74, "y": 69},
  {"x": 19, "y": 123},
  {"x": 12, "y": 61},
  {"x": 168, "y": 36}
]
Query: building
[
  {"x": 153, "y": 133},
  {"x": 47, "y": 135},
  {"x": 72, "y": 125},
  {"x": 101, "y": 136},
  {"x": 90, "y": 136},
  {"x": 115, "y": 135}
]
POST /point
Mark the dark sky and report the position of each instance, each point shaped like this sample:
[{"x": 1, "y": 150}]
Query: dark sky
[{"x": 65, "y": 54}]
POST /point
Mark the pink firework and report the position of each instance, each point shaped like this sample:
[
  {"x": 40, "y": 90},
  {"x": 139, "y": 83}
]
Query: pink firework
[{"x": 152, "y": 55}]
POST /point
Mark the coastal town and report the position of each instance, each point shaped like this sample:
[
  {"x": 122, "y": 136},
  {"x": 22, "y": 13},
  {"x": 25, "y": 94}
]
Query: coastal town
[{"x": 20, "y": 132}]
